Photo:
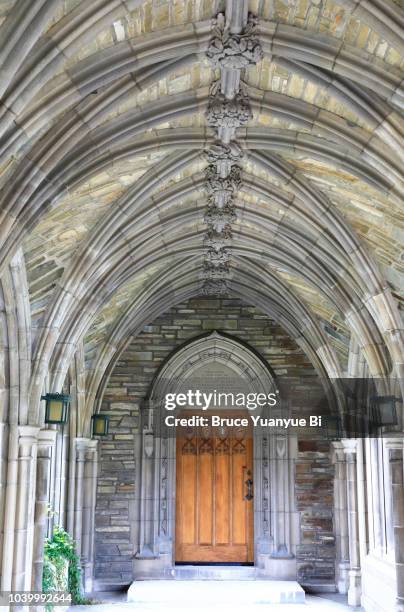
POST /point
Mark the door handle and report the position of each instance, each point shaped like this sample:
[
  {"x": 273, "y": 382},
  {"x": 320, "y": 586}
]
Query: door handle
[{"x": 249, "y": 494}]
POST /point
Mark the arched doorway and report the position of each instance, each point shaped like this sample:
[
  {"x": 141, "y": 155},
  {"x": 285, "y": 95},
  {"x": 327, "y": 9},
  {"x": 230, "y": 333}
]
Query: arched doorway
[{"x": 198, "y": 503}]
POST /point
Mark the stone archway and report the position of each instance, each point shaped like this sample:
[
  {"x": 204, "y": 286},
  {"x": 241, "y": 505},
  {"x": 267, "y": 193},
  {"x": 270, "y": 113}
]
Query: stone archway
[{"x": 275, "y": 518}]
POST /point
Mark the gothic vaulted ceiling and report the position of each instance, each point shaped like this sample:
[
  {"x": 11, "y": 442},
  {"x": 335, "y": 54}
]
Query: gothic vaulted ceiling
[{"x": 155, "y": 150}]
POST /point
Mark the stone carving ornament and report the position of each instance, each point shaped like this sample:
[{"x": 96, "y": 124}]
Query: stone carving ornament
[
  {"x": 219, "y": 152},
  {"x": 215, "y": 287},
  {"x": 220, "y": 190},
  {"x": 213, "y": 177},
  {"x": 235, "y": 51},
  {"x": 228, "y": 109},
  {"x": 226, "y": 115},
  {"x": 224, "y": 156},
  {"x": 216, "y": 272},
  {"x": 220, "y": 218},
  {"x": 218, "y": 240},
  {"x": 217, "y": 257}
]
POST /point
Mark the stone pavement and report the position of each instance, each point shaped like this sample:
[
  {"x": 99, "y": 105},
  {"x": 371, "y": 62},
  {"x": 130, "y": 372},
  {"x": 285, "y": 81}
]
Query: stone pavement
[{"x": 172, "y": 600}]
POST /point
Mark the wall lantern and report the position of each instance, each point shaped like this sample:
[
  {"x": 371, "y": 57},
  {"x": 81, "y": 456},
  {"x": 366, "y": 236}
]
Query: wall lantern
[
  {"x": 57, "y": 408},
  {"x": 99, "y": 424},
  {"x": 384, "y": 411}
]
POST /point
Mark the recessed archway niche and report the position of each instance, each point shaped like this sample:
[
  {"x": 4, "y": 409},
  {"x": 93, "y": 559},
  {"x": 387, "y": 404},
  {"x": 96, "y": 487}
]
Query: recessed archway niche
[{"x": 220, "y": 362}]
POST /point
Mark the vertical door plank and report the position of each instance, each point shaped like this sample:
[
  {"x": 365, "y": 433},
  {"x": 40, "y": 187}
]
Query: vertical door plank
[
  {"x": 223, "y": 499},
  {"x": 239, "y": 503},
  {"x": 205, "y": 505}
]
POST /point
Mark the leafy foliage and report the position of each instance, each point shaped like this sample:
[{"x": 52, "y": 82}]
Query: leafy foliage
[{"x": 61, "y": 570}]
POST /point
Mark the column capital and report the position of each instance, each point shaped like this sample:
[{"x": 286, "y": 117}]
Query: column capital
[
  {"x": 28, "y": 431},
  {"x": 47, "y": 437},
  {"x": 86, "y": 444},
  {"x": 349, "y": 446},
  {"x": 338, "y": 454},
  {"x": 394, "y": 443},
  {"x": 27, "y": 437}
]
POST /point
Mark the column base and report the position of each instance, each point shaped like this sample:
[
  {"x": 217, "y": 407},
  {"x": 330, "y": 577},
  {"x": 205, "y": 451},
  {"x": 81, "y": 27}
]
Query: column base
[
  {"x": 152, "y": 568},
  {"x": 277, "y": 568},
  {"x": 88, "y": 579},
  {"x": 343, "y": 577},
  {"x": 355, "y": 588}
]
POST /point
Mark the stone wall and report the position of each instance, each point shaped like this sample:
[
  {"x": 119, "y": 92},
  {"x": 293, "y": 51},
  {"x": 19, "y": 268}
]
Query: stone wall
[
  {"x": 314, "y": 499},
  {"x": 116, "y": 496},
  {"x": 129, "y": 383}
]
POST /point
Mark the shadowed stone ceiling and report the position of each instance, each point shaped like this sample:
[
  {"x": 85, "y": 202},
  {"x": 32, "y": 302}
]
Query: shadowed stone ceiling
[{"x": 103, "y": 131}]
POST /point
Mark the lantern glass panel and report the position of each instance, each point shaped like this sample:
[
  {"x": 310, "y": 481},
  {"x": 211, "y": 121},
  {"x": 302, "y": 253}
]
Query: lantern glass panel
[
  {"x": 55, "y": 411},
  {"x": 100, "y": 424},
  {"x": 384, "y": 411}
]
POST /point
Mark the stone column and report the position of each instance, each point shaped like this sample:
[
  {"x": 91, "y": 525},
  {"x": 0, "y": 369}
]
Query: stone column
[
  {"x": 136, "y": 508},
  {"x": 71, "y": 487},
  {"x": 59, "y": 484},
  {"x": 341, "y": 518},
  {"x": 372, "y": 447},
  {"x": 362, "y": 510},
  {"x": 81, "y": 448},
  {"x": 147, "y": 517},
  {"x": 24, "y": 518},
  {"x": 10, "y": 509},
  {"x": 262, "y": 497},
  {"x": 3, "y": 483},
  {"x": 54, "y": 518},
  {"x": 154, "y": 552},
  {"x": 87, "y": 535},
  {"x": 46, "y": 446},
  {"x": 396, "y": 456},
  {"x": 81, "y": 503},
  {"x": 282, "y": 562},
  {"x": 354, "y": 589}
]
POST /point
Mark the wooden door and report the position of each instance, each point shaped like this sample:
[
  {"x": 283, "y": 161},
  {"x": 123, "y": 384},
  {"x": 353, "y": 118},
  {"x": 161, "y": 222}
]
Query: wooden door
[{"x": 214, "y": 505}]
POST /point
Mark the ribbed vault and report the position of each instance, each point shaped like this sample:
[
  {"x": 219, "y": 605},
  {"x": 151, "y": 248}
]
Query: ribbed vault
[{"x": 103, "y": 141}]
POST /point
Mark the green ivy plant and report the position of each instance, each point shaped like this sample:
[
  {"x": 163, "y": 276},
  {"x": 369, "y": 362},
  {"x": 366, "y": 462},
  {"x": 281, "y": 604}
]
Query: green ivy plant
[{"x": 61, "y": 569}]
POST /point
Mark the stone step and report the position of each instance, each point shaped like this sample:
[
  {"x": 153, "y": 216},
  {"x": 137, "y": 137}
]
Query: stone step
[
  {"x": 215, "y": 593},
  {"x": 214, "y": 572}
]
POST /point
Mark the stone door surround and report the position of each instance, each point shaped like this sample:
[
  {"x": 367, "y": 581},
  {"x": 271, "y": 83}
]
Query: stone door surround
[{"x": 275, "y": 517}]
